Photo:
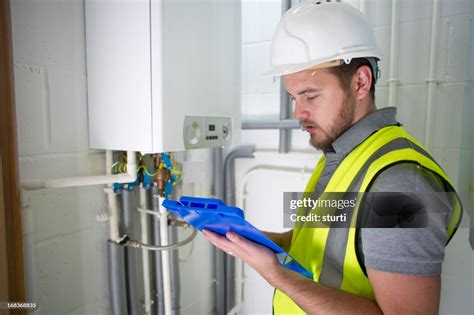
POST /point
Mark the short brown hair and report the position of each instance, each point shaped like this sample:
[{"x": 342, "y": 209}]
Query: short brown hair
[{"x": 345, "y": 72}]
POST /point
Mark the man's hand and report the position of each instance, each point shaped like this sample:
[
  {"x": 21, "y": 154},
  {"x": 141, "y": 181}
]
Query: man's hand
[{"x": 259, "y": 257}]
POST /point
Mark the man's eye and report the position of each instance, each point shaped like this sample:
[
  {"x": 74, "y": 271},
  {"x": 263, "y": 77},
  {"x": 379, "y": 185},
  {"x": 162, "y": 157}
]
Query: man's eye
[{"x": 309, "y": 98}]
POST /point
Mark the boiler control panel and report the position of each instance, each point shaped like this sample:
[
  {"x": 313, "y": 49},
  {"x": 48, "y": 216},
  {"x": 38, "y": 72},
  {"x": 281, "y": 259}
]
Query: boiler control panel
[{"x": 206, "y": 132}]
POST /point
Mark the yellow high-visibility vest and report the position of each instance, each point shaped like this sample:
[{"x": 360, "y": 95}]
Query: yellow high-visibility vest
[{"x": 331, "y": 254}]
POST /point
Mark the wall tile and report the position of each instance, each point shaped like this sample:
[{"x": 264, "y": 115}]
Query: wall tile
[
  {"x": 382, "y": 34},
  {"x": 259, "y": 20},
  {"x": 269, "y": 14},
  {"x": 453, "y": 48},
  {"x": 249, "y": 17},
  {"x": 95, "y": 275},
  {"x": 466, "y": 171},
  {"x": 379, "y": 12},
  {"x": 49, "y": 33},
  {"x": 381, "y": 96},
  {"x": 411, "y": 11},
  {"x": 60, "y": 212},
  {"x": 470, "y": 75},
  {"x": 66, "y": 165},
  {"x": 196, "y": 277},
  {"x": 411, "y": 110},
  {"x": 467, "y": 136},
  {"x": 413, "y": 52},
  {"x": 263, "y": 139},
  {"x": 69, "y": 128},
  {"x": 32, "y": 109},
  {"x": 255, "y": 61},
  {"x": 260, "y": 106},
  {"x": 447, "y": 112},
  {"x": 449, "y": 161},
  {"x": 457, "y": 285},
  {"x": 455, "y": 7},
  {"x": 69, "y": 275},
  {"x": 60, "y": 284}
]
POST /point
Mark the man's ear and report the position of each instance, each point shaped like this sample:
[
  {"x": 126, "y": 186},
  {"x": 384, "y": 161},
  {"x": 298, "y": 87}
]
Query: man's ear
[{"x": 362, "y": 81}]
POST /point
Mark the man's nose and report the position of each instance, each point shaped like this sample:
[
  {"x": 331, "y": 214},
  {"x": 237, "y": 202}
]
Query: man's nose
[{"x": 300, "y": 112}]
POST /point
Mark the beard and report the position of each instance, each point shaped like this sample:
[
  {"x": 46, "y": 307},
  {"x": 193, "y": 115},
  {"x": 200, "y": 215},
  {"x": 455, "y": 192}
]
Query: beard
[{"x": 322, "y": 139}]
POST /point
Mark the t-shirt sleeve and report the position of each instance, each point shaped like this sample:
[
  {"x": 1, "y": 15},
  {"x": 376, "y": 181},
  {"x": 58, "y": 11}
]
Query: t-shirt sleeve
[{"x": 398, "y": 246}]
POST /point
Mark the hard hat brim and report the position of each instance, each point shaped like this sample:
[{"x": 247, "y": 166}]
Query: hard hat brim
[{"x": 289, "y": 69}]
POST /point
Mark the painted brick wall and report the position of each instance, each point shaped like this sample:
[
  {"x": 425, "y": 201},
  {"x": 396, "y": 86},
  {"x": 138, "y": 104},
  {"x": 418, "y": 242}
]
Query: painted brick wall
[{"x": 64, "y": 247}]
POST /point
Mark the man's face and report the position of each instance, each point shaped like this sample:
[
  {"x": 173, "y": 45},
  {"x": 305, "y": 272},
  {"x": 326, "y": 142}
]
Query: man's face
[{"x": 322, "y": 107}]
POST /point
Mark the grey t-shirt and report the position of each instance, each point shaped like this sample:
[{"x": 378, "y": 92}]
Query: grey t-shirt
[
  {"x": 409, "y": 250},
  {"x": 405, "y": 250}
]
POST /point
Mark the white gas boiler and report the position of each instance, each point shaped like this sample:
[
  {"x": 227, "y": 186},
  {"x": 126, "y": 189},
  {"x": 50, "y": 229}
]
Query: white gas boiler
[{"x": 163, "y": 75}]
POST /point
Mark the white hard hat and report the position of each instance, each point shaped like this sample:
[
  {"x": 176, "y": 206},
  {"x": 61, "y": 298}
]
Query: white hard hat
[{"x": 316, "y": 34}]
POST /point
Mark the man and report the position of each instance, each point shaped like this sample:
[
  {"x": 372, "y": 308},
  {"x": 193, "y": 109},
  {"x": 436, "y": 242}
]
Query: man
[{"x": 327, "y": 56}]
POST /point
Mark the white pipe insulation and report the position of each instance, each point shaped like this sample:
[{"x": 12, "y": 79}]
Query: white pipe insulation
[
  {"x": 239, "y": 287},
  {"x": 394, "y": 39},
  {"x": 145, "y": 253},
  {"x": 432, "y": 82},
  {"x": 122, "y": 178},
  {"x": 165, "y": 257},
  {"x": 111, "y": 200}
]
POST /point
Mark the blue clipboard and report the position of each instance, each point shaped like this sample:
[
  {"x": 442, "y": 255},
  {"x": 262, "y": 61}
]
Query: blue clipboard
[{"x": 214, "y": 215}]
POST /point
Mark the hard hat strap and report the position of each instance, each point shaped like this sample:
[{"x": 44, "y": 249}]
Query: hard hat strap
[{"x": 375, "y": 68}]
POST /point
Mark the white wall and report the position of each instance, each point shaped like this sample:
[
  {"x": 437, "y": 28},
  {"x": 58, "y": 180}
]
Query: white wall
[
  {"x": 453, "y": 108},
  {"x": 65, "y": 248}
]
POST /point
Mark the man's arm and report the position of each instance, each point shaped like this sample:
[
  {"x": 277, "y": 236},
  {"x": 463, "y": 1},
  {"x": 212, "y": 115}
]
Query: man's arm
[
  {"x": 406, "y": 294},
  {"x": 395, "y": 293},
  {"x": 281, "y": 239},
  {"x": 315, "y": 298}
]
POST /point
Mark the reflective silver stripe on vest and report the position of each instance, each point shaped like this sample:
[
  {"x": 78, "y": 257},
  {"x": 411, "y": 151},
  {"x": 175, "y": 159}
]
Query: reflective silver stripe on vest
[{"x": 336, "y": 243}]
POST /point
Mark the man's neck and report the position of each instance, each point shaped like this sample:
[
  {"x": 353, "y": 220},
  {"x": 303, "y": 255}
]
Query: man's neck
[{"x": 363, "y": 109}]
